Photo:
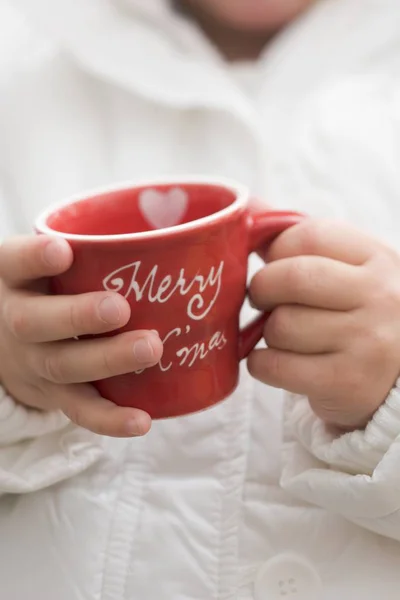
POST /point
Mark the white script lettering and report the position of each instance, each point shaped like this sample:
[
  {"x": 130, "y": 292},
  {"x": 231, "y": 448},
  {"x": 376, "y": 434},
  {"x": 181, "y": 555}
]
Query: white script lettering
[
  {"x": 189, "y": 355},
  {"x": 130, "y": 279}
]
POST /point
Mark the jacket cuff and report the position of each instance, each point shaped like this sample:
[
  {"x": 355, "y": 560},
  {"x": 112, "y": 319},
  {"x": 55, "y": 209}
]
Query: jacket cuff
[
  {"x": 19, "y": 422},
  {"x": 358, "y": 452},
  {"x": 38, "y": 449},
  {"x": 356, "y": 475}
]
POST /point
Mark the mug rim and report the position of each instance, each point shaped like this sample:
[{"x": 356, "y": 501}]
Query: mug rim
[{"x": 240, "y": 203}]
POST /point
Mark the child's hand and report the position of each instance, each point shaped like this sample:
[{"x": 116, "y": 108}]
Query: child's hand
[
  {"x": 41, "y": 365},
  {"x": 334, "y": 331}
]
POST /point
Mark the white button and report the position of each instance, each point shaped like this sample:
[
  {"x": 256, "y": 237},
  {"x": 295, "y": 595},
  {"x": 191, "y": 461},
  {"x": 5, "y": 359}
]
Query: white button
[{"x": 287, "y": 577}]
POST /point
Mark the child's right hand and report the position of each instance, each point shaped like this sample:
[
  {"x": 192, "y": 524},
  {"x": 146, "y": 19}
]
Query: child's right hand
[{"x": 41, "y": 365}]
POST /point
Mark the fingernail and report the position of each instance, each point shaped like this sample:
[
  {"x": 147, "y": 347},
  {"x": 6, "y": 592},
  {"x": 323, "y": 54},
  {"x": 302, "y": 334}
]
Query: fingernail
[
  {"x": 109, "y": 311},
  {"x": 135, "y": 427},
  {"x": 53, "y": 253},
  {"x": 132, "y": 427},
  {"x": 143, "y": 351}
]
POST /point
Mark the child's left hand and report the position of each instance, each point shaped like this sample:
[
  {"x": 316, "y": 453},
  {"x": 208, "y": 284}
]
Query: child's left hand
[{"x": 334, "y": 331}]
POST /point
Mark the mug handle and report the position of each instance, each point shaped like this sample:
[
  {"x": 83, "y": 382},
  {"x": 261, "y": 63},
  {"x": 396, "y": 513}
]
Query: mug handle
[{"x": 263, "y": 228}]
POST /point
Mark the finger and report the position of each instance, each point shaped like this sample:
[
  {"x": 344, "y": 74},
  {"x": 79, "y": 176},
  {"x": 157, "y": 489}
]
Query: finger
[
  {"x": 27, "y": 258},
  {"x": 37, "y": 318},
  {"x": 331, "y": 239},
  {"x": 92, "y": 360},
  {"x": 306, "y": 330},
  {"x": 309, "y": 280},
  {"x": 86, "y": 408},
  {"x": 298, "y": 373}
]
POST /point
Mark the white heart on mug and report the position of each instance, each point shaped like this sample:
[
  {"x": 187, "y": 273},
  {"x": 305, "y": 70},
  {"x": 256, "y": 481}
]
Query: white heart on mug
[{"x": 163, "y": 209}]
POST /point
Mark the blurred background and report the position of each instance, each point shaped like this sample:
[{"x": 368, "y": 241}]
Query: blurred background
[{"x": 12, "y": 27}]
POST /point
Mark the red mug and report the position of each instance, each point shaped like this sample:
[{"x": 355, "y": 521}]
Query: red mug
[{"x": 178, "y": 250}]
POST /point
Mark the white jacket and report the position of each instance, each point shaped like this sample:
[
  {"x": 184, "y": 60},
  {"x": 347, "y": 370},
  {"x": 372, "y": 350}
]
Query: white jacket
[{"x": 253, "y": 499}]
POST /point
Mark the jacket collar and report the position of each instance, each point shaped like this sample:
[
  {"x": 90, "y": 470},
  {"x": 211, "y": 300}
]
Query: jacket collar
[{"x": 148, "y": 48}]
